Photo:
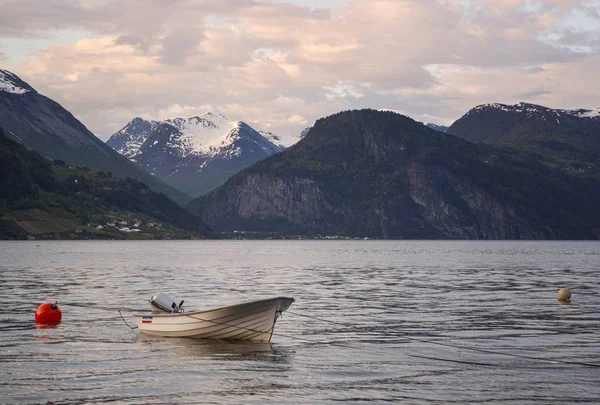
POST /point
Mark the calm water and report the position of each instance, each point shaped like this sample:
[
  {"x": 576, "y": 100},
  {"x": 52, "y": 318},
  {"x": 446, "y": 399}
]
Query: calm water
[{"x": 407, "y": 316}]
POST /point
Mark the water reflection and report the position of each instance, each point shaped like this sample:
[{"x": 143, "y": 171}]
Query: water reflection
[
  {"x": 207, "y": 347},
  {"x": 47, "y": 325}
]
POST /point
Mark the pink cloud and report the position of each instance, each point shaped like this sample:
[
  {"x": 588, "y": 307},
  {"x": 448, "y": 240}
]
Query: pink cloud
[{"x": 285, "y": 65}]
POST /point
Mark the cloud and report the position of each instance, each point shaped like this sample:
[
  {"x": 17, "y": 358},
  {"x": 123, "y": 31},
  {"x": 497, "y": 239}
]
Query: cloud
[
  {"x": 534, "y": 94},
  {"x": 283, "y": 65},
  {"x": 534, "y": 69}
]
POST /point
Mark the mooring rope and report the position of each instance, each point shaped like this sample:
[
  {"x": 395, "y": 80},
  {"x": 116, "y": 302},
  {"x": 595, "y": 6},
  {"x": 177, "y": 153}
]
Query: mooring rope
[{"x": 130, "y": 327}]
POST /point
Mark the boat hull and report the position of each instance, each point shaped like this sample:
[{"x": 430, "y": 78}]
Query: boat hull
[{"x": 253, "y": 321}]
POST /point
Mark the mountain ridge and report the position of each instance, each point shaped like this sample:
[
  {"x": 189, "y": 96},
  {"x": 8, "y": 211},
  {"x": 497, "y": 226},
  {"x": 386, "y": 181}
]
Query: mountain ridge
[
  {"x": 396, "y": 178},
  {"x": 194, "y": 154},
  {"x": 569, "y": 139}
]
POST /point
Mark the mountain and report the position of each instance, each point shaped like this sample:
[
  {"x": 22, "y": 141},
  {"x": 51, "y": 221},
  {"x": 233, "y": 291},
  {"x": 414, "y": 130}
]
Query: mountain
[
  {"x": 566, "y": 138},
  {"x": 132, "y": 136},
  {"x": 43, "y": 125},
  {"x": 437, "y": 127},
  {"x": 195, "y": 154},
  {"x": 380, "y": 174},
  {"x": 40, "y": 198}
]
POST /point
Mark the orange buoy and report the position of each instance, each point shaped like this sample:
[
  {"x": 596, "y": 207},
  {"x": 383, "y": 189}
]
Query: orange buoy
[{"x": 48, "y": 313}]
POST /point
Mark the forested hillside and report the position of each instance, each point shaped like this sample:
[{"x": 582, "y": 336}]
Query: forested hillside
[{"x": 50, "y": 199}]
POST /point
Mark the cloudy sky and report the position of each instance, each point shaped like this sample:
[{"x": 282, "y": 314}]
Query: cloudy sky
[{"x": 280, "y": 65}]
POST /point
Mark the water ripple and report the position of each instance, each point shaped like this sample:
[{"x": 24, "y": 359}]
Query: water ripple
[{"x": 415, "y": 322}]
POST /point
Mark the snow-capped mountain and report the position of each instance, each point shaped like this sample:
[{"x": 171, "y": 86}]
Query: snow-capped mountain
[
  {"x": 132, "y": 136},
  {"x": 572, "y": 135},
  {"x": 491, "y": 123},
  {"x": 197, "y": 153},
  {"x": 532, "y": 109},
  {"x": 212, "y": 133}
]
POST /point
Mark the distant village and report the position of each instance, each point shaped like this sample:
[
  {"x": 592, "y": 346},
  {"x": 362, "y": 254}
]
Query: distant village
[{"x": 123, "y": 226}]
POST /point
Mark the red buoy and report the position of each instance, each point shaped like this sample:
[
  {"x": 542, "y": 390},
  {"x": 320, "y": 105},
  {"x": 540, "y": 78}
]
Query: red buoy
[{"x": 48, "y": 313}]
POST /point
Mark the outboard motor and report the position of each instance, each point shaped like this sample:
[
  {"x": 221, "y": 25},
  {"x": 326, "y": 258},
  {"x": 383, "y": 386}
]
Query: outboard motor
[{"x": 161, "y": 302}]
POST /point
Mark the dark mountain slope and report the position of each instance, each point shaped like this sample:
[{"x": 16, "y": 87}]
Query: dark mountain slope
[
  {"x": 45, "y": 126},
  {"x": 566, "y": 139},
  {"x": 42, "y": 198},
  {"x": 380, "y": 174}
]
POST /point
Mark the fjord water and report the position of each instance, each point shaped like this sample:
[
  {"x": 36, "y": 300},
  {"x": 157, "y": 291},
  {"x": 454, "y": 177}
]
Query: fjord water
[{"x": 403, "y": 320}]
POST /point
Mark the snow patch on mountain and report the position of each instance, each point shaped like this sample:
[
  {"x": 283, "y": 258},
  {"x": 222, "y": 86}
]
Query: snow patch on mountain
[
  {"x": 9, "y": 83},
  {"x": 531, "y": 109},
  {"x": 274, "y": 139},
  {"x": 581, "y": 113},
  {"x": 204, "y": 134}
]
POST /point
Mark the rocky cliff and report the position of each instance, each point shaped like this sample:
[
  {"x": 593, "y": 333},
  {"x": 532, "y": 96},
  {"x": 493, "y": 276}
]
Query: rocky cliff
[{"x": 380, "y": 174}]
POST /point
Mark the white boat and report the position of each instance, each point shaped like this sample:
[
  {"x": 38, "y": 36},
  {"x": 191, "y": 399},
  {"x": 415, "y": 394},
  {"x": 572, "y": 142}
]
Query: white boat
[{"x": 253, "y": 321}]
